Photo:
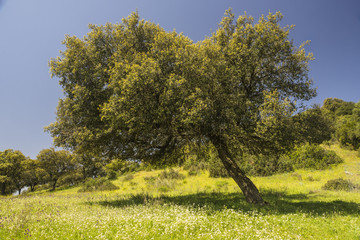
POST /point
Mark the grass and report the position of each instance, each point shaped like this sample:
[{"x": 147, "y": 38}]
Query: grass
[{"x": 197, "y": 207}]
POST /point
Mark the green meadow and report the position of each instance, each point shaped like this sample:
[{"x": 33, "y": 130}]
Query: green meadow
[{"x": 193, "y": 207}]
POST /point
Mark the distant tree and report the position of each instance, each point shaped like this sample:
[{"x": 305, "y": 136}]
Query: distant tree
[
  {"x": 32, "y": 173},
  {"x": 313, "y": 126},
  {"x": 348, "y": 128},
  {"x": 89, "y": 166},
  {"x": 337, "y": 107},
  {"x": 56, "y": 164},
  {"x": 11, "y": 171},
  {"x": 136, "y": 92}
]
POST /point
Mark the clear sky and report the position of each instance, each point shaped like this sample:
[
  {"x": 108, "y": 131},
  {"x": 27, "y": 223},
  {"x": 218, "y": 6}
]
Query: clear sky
[{"x": 31, "y": 33}]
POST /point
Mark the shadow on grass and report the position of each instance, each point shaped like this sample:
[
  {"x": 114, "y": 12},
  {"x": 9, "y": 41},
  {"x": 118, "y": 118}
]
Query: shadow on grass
[{"x": 280, "y": 203}]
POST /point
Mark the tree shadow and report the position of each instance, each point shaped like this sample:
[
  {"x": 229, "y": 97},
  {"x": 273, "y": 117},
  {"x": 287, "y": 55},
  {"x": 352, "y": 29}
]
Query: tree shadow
[{"x": 279, "y": 203}]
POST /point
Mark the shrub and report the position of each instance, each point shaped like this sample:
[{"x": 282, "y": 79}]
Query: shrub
[
  {"x": 340, "y": 185},
  {"x": 150, "y": 179},
  {"x": 171, "y": 174},
  {"x": 128, "y": 177},
  {"x": 260, "y": 165},
  {"x": 200, "y": 165},
  {"x": 123, "y": 167},
  {"x": 263, "y": 165},
  {"x": 111, "y": 175},
  {"x": 193, "y": 170},
  {"x": 98, "y": 184},
  {"x": 314, "y": 157}
]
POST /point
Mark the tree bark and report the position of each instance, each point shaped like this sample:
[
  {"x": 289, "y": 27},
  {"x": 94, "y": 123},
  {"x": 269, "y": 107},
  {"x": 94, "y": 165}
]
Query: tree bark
[
  {"x": 248, "y": 188},
  {"x": 54, "y": 185},
  {"x": 3, "y": 189}
]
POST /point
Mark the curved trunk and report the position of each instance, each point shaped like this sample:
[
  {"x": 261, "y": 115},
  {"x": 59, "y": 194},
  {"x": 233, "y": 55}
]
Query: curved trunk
[{"x": 249, "y": 189}]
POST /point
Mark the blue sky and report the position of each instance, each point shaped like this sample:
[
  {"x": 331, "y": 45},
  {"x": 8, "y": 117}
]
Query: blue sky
[{"x": 32, "y": 31}]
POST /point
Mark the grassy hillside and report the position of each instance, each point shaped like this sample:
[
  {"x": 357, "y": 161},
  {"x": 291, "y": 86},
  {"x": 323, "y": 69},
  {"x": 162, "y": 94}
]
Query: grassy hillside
[{"x": 195, "y": 207}]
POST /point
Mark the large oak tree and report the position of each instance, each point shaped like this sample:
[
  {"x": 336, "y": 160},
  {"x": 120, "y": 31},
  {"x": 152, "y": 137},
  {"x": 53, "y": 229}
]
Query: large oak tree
[{"x": 134, "y": 91}]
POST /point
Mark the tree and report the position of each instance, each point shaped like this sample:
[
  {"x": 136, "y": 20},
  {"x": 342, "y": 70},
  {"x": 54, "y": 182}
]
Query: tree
[
  {"x": 337, "y": 107},
  {"x": 348, "y": 128},
  {"x": 56, "y": 164},
  {"x": 89, "y": 166},
  {"x": 313, "y": 126},
  {"x": 137, "y": 92},
  {"x": 11, "y": 171},
  {"x": 32, "y": 173}
]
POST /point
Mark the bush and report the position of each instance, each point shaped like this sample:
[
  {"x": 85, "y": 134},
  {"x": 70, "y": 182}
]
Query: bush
[
  {"x": 98, "y": 184},
  {"x": 314, "y": 157},
  {"x": 111, "y": 175},
  {"x": 122, "y": 166},
  {"x": 128, "y": 177},
  {"x": 340, "y": 185},
  {"x": 150, "y": 179},
  {"x": 193, "y": 170},
  {"x": 263, "y": 165},
  {"x": 260, "y": 165},
  {"x": 171, "y": 174}
]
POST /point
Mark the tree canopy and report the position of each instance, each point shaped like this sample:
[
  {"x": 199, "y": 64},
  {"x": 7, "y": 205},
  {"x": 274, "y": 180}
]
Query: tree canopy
[
  {"x": 11, "y": 171},
  {"x": 56, "y": 164},
  {"x": 134, "y": 91}
]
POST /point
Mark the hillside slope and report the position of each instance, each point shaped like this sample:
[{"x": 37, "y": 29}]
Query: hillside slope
[{"x": 147, "y": 206}]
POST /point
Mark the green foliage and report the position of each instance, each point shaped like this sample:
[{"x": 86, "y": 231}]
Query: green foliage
[
  {"x": 57, "y": 165},
  {"x": 346, "y": 119},
  {"x": 197, "y": 158},
  {"x": 263, "y": 165},
  {"x": 123, "y": 166},
  {"x": 313, "y": 126},
  {"x": 348, "y": 129},
  {"x": 313, "y": 157},
  {"x": 11, "y": 177},
  {"x": 255, "y": 165},
  {"x": 340, "y": 184},
  {"x": 136, "y": 92},
  {"x": 150, "y": 178},
  {"x": 337, "y": 107},
  {"x": 217, "y": 169},
  {"x": 171, "y": 174},
  {"x": 133, "y": 85},
  {"x": 32, "y": 173},
  {"x": 111, "y": 175},
  {"x": 89, "y": 166},
  {"x": 98, "y": 184}
]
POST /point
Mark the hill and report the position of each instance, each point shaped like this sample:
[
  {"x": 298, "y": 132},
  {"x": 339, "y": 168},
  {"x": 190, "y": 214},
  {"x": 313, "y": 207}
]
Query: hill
[{"x": 171, "y": 204}]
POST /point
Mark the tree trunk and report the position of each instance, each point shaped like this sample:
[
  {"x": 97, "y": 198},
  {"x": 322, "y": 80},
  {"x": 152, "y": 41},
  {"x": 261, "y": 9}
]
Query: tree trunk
[
  {"x": 3, "y": 188},
  {"x": 54, "y": 185},
  {"x": 248, "y": 188}
]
